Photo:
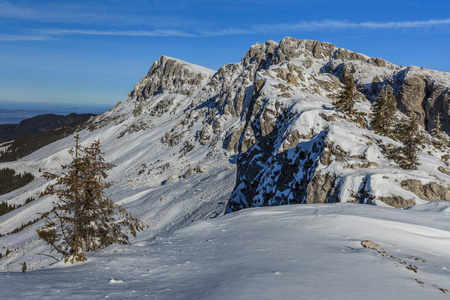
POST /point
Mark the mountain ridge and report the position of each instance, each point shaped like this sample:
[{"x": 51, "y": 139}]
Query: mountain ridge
[
  {"x": 40, "y": 123},
  {"x": 190, "y": 144}
]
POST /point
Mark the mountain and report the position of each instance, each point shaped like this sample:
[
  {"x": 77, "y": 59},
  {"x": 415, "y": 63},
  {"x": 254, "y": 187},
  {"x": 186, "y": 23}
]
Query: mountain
[
  {"x": 41, "y": 123},
  {"x": 191, "y": 144}
]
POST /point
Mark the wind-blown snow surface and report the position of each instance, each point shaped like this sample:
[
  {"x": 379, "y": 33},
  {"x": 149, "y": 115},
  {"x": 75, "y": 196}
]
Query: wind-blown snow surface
[{"x": 288, "y": 252}]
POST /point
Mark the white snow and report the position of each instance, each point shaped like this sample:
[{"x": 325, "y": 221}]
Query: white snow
[{"x": 289, "y": 252}]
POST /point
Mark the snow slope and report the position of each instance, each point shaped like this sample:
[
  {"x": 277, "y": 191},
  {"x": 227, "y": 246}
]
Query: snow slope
[
  {"x": 163, "y": 182},
  {"x": 288, "y": 252}
]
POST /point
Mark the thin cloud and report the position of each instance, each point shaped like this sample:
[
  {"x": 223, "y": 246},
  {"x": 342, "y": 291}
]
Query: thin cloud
[
  {"x": 78, "y": 13},
  {"x": 336, "y": 24},
  {"x": 117, "y": 32},
  {"x": 222, "y": 32},
  {"x": 65, "y": 13},
  {"x": 10, "y": 10},
  {"x": 46, "y": 34},
  {"x": 19, "y": 38},
  {"x": 413, "y": 24}
]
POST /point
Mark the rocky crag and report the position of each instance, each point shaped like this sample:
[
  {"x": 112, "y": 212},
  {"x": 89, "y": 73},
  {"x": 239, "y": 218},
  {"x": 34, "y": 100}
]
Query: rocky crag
[{"x": 273, "y": 109}]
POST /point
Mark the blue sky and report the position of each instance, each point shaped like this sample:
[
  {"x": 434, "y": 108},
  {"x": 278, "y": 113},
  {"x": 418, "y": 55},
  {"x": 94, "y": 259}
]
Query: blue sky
[{"x": 95, "y": 51}]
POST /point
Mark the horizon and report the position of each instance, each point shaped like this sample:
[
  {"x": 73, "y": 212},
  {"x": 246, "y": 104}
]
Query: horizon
[{"x": 94, "y": 52}]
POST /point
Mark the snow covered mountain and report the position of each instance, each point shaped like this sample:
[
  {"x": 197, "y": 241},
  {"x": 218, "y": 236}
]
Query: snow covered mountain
[{"x": 191, "y": 143}]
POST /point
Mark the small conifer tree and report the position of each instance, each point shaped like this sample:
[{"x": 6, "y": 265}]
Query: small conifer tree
[
  {"x": 439, "y": 138},
  {"x": 24, "y": 267},
  {"x": 408, "y": 133},
  {"x": 346, "y": 100},
  {"x": 84, "y": 219},
  {"x": 345, "y": 103},
  {"x": 383, "y": 112}
]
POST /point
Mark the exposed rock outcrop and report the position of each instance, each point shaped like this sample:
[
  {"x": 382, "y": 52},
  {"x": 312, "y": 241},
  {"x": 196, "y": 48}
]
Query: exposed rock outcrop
[
  {"x": 431, "y": 191},
  {"x": 171, "y": 76},
  {"x": 322, "y": 189},
  {"x": 398, "y": 202}
]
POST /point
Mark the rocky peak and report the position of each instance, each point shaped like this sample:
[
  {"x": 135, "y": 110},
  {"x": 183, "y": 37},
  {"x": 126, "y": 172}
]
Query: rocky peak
[
  {"x": 311, "y": 64},
  {"x": 170, "y": 75}
]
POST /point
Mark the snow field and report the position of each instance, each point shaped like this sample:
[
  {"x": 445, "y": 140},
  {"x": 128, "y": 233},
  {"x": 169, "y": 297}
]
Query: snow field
[{"x": 289, "y": 252}]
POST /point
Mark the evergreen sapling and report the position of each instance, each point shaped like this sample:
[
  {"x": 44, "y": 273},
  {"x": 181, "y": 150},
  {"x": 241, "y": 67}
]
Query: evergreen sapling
[
  {"x": 84, "y": 219},
  {"x": 345, "y": 103},
  {"x": 383, "y": 112}
]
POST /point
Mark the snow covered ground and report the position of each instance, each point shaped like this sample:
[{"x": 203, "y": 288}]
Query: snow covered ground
[{"x": 288, "y": 252}]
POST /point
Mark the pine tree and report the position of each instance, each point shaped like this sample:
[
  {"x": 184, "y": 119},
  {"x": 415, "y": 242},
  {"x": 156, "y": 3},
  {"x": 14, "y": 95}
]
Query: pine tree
[
  {"x": 84, "y": 219},
  {"x": 439, "y": 138},
  {"x": 408, "y": 133},
  {"x": 346, "y": 100},
  {"x": 345, "y": 103},
  {"x": 383, "y": 112},
  {"x": 24, "y": 267}
]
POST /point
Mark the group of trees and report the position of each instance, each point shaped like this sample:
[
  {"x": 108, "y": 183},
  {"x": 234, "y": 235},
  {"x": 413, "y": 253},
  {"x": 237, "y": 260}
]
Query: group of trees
[
  {"x": 9, "y": 180},
  {"x": 385, "y": 121},
  {"x": 84, "y": 219},
  {"x": 405, "y": 130}
]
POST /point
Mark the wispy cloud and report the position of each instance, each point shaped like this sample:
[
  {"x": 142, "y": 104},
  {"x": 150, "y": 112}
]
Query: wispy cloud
[
  {"x": 148, "y": 33},
  {"x": 48, "y": 34},
  {"x": 337, "y": 24},
  {"x": 411, "y": 24},
  {"x": 86, "y": 12},
  {"x": 18, "y": 38}
]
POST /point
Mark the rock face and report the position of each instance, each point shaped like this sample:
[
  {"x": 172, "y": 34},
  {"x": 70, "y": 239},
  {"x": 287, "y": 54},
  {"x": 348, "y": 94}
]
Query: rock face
[
  {"x": 422, "y": 95},
  {"x": 398, "y": 201},
  {"x": 273, "y": 112},
  {"x": 168, "y": 75},
  {"x": 431, "y": 191}
]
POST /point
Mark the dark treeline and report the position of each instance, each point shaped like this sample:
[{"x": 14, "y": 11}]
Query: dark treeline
[
  {"x": 37, "y": 124},
  {"x": 28, "y": 144},
  {"x": 9, "y": 180}
]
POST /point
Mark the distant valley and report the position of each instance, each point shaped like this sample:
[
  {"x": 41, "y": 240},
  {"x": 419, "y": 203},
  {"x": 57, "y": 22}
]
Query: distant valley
[
  {"x": 12, "y": 112},
  {"x": 37, "y": 124}
]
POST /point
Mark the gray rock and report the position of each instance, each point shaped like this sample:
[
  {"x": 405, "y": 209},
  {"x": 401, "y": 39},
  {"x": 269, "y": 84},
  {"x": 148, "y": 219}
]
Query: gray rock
[
  {"x": 167, "y": 75},
  {"x": 430, "y": 192},
  {"x": 397, "y": 201},
  {"x": 321, "y": 189}
]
